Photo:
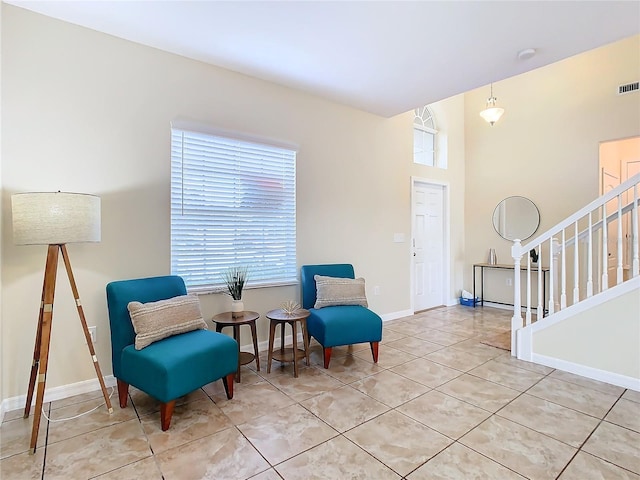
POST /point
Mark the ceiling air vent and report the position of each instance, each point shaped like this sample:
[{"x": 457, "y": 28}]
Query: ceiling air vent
[{"x": 628, "y": 88}]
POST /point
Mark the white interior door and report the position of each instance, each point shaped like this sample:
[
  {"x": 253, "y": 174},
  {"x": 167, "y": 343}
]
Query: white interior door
[
  {"x": 428, "y": 246},
  {"x": 619, "y": 161}
]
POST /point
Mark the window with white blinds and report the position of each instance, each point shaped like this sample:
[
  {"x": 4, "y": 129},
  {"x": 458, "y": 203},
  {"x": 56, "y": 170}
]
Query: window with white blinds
[{"x": 233, "y": 203}]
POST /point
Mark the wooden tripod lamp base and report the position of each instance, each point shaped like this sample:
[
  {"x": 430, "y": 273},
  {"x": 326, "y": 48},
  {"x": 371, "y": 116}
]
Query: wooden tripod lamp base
[
  {"x": 43, "y": 338},
  {"x": 54, "y": 219}
]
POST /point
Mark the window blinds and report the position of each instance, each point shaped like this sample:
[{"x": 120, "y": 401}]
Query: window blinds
[{"x": 233, "y": 203}]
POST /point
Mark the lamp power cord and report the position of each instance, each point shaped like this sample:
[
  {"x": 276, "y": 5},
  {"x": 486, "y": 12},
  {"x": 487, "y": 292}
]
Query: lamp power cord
[{"x": 80, "y": 414}]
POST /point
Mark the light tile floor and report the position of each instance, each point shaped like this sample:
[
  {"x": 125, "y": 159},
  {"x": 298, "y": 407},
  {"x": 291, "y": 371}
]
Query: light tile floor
[{"x": 440, "y": 404}]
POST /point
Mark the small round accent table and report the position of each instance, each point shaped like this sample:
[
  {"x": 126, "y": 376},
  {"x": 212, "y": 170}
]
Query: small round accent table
[
  {"x": 282, "y": 354},
  {"x": 248, "y": 318}
]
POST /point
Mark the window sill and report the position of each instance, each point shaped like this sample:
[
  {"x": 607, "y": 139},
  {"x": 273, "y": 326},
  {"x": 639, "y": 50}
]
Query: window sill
[{"x": 215, "y": 289}]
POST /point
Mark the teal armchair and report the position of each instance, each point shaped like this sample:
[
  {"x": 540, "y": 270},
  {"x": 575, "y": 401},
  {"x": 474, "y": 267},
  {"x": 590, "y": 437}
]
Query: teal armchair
[
  {"x": 171, "y": 367},
  {"x": 341, "y": 324}
]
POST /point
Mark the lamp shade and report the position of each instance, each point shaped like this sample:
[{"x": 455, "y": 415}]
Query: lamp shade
[
  {"x": 55, "y": 218},
  {"x": 492, "y": 114}
]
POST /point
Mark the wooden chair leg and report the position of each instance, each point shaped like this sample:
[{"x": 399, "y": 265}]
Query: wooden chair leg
[
  {"x": 123, "y": 393},
  {"x": 374, "y": 351},
  {"x": 228, "y": 385},
  {"x": 327, "y": 356},
  {"x": 166, "y": 411}
]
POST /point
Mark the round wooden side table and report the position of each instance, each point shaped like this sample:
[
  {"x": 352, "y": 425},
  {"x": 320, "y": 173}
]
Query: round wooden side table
[
  {"x": 226, "y": 319},
  {"x": 282, "y": 354}
]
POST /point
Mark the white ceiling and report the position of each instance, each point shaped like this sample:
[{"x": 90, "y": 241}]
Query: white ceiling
[{"x": 385, "y": 57}]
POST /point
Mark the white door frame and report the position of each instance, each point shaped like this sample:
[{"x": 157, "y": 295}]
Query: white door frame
[{"x": 446, "y": 261}]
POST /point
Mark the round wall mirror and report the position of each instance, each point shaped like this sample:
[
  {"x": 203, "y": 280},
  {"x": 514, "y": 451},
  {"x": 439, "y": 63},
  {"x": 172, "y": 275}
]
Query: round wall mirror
[{"x": 516, "y": 218}]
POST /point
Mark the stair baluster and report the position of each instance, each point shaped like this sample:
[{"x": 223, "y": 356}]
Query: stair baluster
[
  {"x": 605, "y": 254},
  {"x": 560, "y": 241},
  {"x": 620, "y": 251},
  {"x": 563, "y": 295},
  {"x": 576, "y": 266},
  {"x": 590, "y": 259},
  {"x": 634, "y": 227}
]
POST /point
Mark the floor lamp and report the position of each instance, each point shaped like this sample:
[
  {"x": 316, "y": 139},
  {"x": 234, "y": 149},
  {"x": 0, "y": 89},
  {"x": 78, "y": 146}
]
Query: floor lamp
[{"x": 54, "y": 219}]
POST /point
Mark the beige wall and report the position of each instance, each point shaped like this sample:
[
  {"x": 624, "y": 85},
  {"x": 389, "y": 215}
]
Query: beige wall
[
  {"x": 87, "y": 112},
  {"x": 84, "y": 111},
  {"x": 613, "y": 326},
  {"x": 546, "y": 145},
  {"x": 2, "y": 396}
]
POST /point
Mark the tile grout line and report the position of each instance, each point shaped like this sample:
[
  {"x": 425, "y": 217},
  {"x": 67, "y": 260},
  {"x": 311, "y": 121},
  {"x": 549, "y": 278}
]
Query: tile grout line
[
  {"x": 144, "y": 432},
  {"x": 45, "y": 446},
  {"x": 492, "y": 414},
  {"x": 579, "y": 448},
  {"x": 482, "y": 454},
  {"x": 571, "y": 408},
  {"x": 389, "y": 408},
  {"x": 600, "y": 422}
]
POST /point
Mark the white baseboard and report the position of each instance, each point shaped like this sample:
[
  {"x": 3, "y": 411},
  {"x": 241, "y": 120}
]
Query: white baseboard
[
  {"x": 589, "y": 372},
  {"x": 453, "y": 301},
  {"x": 395, "y": 315},
  {"x": 501, "y": 306},
  {"x": 56, "y": 393},
  {"x": 264, "y": 345}
]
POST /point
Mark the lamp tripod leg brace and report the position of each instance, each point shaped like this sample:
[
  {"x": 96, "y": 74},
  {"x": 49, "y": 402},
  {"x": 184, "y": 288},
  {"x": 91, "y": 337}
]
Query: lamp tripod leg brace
[{"x": 43, "y": 338}]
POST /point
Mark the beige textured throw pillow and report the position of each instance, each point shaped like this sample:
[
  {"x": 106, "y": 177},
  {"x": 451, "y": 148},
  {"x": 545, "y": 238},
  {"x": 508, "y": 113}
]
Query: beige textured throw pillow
[
  {"x": 331, "y": 291},
  {"x": 154, "y": 321}
]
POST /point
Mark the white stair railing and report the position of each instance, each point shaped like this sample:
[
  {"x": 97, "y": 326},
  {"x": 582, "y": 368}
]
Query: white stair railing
[{"x": 584, "y": 247}]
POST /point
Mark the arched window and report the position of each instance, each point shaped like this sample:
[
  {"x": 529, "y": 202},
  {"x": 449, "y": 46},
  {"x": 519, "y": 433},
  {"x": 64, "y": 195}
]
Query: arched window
[{"x": 424, "y": 137}]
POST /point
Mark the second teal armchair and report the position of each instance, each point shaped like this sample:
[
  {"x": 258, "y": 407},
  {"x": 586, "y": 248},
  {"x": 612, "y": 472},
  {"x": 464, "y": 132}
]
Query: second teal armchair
[{"x": 338, "y": 325}]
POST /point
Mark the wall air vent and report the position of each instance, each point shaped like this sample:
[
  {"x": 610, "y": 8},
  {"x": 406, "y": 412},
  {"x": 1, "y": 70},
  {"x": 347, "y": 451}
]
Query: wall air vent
[{"x": 628, "y": 88}]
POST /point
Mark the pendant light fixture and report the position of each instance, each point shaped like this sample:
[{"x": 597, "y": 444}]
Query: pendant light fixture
[{"x": 492, "y": 113}]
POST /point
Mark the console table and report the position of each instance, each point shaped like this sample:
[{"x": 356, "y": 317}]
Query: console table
[{"x": 484, "y": 266}]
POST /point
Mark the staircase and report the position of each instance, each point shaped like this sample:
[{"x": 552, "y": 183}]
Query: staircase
[{"x": 594, "y": 283}]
